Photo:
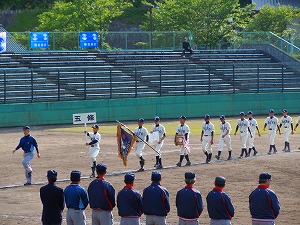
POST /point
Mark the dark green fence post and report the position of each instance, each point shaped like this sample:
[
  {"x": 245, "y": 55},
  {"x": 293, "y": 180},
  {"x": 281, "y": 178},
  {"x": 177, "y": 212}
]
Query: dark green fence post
[
  {"x": 31, "y": 85},
  {"x": 258, "y": 77},
  {"x": 160, "y": 88},
  {"x": 58, "y": 85},
  {"x": 209, "y": 84},
  {"x": 110, "y": 83},
  {"x": 135, "y": 73},
  {"x": 282, "y": 78},
  {"x": 233, "y": 77},
  {"x": 184, "y": 80},
  {"x": 4, "y": 87},
  {"x": 84, "y": 84}
]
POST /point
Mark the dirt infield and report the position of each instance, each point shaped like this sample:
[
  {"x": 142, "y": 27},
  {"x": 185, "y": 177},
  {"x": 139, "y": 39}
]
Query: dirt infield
[{"x": 66, "y": 151}]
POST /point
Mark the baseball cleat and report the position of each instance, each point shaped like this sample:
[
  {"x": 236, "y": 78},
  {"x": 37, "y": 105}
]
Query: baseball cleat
[
  {"x": 275, "y": 152},
  {"x": 27, "y": 184},
  {"x": 159, "y": 166},
  {"x": 255, "y": 153},
  {"x": 92, "y": 175},
  {"x": 178, "y": 164},
  {"x": 141, "y": 170},
  {"x": 156, "y": 165},
  {"x": 247, "y": 155},
  {"x": 241, "y": 156},
  {"x": 269, "y": 153},
  {"x": 217, "y": 157},
  {"x": 229, "y": 158},
  {"x": 299, "y": 148},
  {"x": 188, "y": 163}
]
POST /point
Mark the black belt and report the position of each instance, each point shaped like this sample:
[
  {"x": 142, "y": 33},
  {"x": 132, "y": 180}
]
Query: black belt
[
  {"x": 137, "y": 141},
  {"x": 207, "y": 135},
  {"x": 286, "y": 127},
  {"x": 271, "y": 129}
]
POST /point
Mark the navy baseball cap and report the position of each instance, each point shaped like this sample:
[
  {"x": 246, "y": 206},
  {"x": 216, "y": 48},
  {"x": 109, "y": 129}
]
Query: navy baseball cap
[
  {"x": 242, "y": 114},
  {"x": 271, "y": 111},
  {"x": 206, "y": 116},
  {"x": 95, "y": 126},
  {"x": 26, "y": 128},
  {"x": 265, "y": 176},
  {"x": 182, "y": 117},
  {"x": 284, "y": 110},
  {"x": 141, "y": 120},
  {"x": 129, "y": 177},
  {"x": 222, "y": 117},
  {"x": 189, "y": 175},
  {"x": 51, "y": 174},
  {"x": 156, "y": 176},
  {"x": 156, "y": 119},
  {"x": 220, "y": 181},
  {"x": 75, "y": 175},
  {"x": 250, "y": 113},
  {"x": 101, "y": 168}
]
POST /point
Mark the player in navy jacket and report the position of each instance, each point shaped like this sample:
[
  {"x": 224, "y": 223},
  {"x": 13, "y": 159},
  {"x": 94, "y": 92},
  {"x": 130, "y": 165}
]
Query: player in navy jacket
[
  {"x": 263, "y": 202},
  {"x": 189, "y": 202},
  {"x": 102, "y": 198},
  {"x": 156, "y": 202},
  {"x": 219, "y": 206},
  {"x": 129, "y": 202}
]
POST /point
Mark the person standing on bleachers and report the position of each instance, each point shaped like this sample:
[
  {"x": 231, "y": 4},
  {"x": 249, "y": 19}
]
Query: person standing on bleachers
[{"x": 186, "y": 46}]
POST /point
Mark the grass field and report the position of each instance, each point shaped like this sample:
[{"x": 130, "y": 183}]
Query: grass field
[{"x": 195, "y": 126}]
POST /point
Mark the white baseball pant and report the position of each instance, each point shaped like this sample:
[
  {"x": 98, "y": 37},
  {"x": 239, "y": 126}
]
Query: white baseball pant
[
  {"x": 76, "y": 217},
  {"x": 139, "y": 147},
  {"x": 188, "y": 222},
  {"x": 225, "y": 141},
  {"x": 158, "y": 148},
  {"x": 251, "y": 140},
  {"x": 287, "y": 132},
  {"x": 93, "y": 154},
  {"x": 183, "y": 150},
  {"x": 26, "y": 164},
  {"x": 155, "y": 220},
  {"x": 206, "y": 145},
  {"x": 272, "y": 134},
  {"x": 130, "y": 221},
  {"x": 244, "y": 137},
  {"x": 102, "y": 217}
]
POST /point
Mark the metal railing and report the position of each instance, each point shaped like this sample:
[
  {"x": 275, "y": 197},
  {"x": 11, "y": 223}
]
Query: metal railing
[
  {"x": 108, "y": 40},
  {"x": 268, "y": 38},
  {"x": 36, "y": 85}
]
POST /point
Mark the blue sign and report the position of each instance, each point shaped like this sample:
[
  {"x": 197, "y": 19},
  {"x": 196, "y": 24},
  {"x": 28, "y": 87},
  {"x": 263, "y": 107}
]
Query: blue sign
[
  {"x": 39, "y": 39},
  {"x": 88, "y": 39}
]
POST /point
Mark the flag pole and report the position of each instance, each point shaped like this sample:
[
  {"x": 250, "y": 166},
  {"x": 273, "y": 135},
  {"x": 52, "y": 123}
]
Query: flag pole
[{"x": 136, "y": 136}]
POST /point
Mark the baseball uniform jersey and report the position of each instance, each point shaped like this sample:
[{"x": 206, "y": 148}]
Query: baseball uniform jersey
[
  {"x": 161, "y": 133},
  {"x": 243, "y": 126},
  {"x": 182, "y": 130},
  {"x": 95, "y": 147},
  {"x": 224, "y": 127},
  {"x": 252, "y": 125},
  {"x": 272, "y": 123},
  {"x": 286, "y": 122},
  {"x": 207, "y": 129},
  {"x": 141, "y": 134}
]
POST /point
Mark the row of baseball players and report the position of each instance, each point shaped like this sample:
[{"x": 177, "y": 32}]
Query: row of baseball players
[
  {"x": 154, "y": 202},
  {"x": 247, "y": 128}
]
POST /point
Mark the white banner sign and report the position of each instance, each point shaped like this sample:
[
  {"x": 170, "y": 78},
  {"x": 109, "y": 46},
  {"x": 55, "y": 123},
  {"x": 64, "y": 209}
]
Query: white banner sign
[
  {"x": 83, "y": 118},
  {"x": 2, "y": 42}
]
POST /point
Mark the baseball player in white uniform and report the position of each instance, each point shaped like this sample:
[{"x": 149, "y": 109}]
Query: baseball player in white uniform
[
  {"x": 271, "y": 123},
  {"x": 157, "y": 127},
  {"x": 94, "y": 146},
  {"x": 142, "y": 135},
  {"x": 184, "y": 130},
  {"x": 243, "y": 125},
  {"x": 253, "y": 125},
  {"x": 207, "y": 137},
  {"x": 225, "y": 138},
  {"x": 287, "y": 123},
  {"x": 297, "y": 124}
]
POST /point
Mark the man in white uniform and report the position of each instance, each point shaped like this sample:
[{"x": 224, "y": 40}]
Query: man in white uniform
[
  {"x": 157, "y": 127},
  {"x": 225, "y": 138},
  {"x": 207, "y": 137},
  {"x": 253, "y": 125},
  {"x": 141, "y": 134},
  {"x": 271, "y": 123},
  {"x": 94, "y": 146},
  {"x": 287, "y": 123},
  {"x": 243, "y": 125},
  {"x": 184, "y": 130}
]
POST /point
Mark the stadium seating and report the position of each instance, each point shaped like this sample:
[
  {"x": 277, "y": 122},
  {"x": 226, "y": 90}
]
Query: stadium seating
[{"x": 63, "y": 75}]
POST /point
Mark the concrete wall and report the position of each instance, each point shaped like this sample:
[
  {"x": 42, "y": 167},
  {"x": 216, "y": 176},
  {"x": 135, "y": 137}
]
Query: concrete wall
[{"x": 131, "y": 109}]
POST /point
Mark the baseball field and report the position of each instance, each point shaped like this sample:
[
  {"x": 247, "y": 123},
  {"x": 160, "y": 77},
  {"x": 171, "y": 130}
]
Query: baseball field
[{"x": 63, "y": 149}]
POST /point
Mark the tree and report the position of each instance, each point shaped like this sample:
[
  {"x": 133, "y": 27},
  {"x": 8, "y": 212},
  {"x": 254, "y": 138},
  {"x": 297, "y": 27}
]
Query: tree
[
  {"x": 81, "y": 15},
  {"x": 207, "y": 19},
  {"x": 25, "y": 4},
  {"x": 274, "y": 19}
]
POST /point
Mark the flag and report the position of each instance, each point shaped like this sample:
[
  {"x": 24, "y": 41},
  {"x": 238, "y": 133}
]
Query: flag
[
  {"x": 186, "y": 145},
  {"x": 125, "y": 143},
  {"x": 2, "y": 42}
]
